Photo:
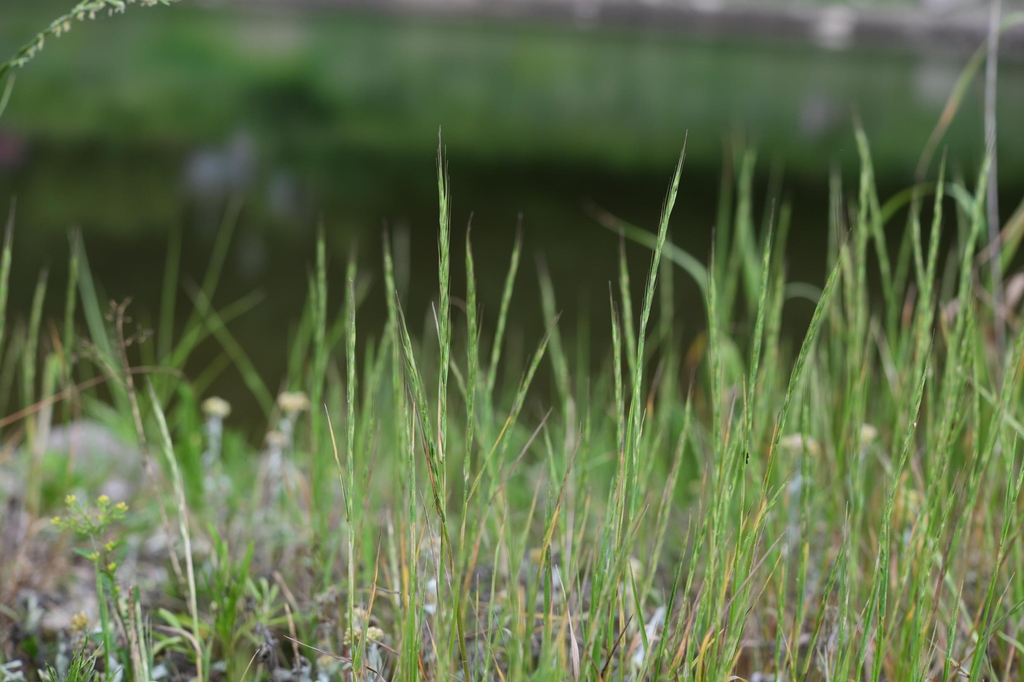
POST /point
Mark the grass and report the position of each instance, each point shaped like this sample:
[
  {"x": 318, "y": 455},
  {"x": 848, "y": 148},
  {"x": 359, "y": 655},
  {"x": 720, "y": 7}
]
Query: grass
[{"x": 841, "y": 504}]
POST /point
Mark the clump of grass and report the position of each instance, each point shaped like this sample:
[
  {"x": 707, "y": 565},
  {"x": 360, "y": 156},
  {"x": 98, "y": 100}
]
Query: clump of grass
[{"x": 838, "y": 502}]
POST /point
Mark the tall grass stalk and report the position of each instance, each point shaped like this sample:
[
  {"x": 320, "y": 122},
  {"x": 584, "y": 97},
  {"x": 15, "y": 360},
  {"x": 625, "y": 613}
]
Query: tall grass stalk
[{"x": 5, "y": 271}]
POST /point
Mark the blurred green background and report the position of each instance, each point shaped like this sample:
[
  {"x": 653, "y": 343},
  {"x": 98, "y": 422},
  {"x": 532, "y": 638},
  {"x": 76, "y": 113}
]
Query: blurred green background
[{"x": 132, "y": 127}]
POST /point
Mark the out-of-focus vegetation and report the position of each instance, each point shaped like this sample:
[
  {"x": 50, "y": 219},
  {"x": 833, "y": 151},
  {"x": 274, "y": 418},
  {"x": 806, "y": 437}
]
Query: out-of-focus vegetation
[
  {"x": 145, "y": 123},
  {"x": 309, "y": 82}
]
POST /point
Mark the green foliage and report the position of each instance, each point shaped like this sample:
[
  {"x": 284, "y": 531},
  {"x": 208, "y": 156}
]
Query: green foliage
[
  {"x": 91, "y": 523},
  {"x": 226, "y": 585},
  {"x": 81, "y": 669}
]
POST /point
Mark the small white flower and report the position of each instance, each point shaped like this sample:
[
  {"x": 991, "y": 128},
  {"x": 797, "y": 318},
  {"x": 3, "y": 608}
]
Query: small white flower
[
  {"x": 276, "y": 440},
  {"x": 867, "y": 435},
  {"x": 292, "y": 403},
  {"x": 216, "y": 407},
  {"x": 430, "y": 597},
  {"x": 798, "y": 443}
]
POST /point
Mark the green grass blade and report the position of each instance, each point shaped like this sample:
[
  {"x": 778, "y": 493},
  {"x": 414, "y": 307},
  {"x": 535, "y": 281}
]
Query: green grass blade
[
  {"x": 756, "y": 347},
  {"x": 444, "y": 333},
  {"x": 202, "y": 304},
  {"x": 506, "y": 299},
  {"x": 350, "y": 449},
  {"x": 216, "y": 326},
  {"x": 559, "y": 364},
  {"x": 472, "y": 361},
  {"x": 626, "y": 296},
  {"x": 31, "y": 352},
  {"x": 167, "y": 448},
  {"x": 70, "y": 303},
  {"x": 806, "y": 348},
  {"x": 5, "y": 98},
  {"x": 690, "y": 265},
  {"x": 648, "y": 300},
  {"x": 5, "y": 270},
  {"x": 169, "y": 295}
]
